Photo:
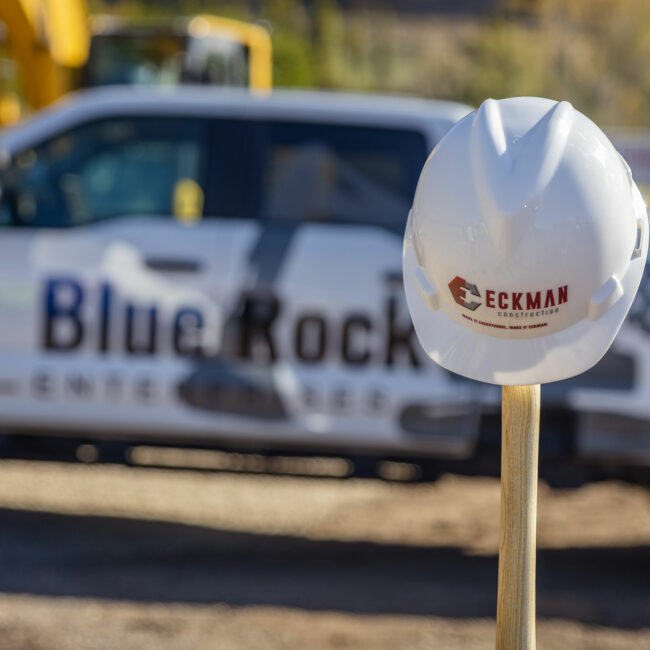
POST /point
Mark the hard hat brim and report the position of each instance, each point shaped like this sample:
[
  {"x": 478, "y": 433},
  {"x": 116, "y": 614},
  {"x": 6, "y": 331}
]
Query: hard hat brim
[{"x": 512, "y": 362}]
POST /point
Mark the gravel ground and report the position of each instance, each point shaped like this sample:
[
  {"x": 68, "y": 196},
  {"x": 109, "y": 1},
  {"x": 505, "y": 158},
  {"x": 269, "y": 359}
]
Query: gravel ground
[
  {"x": 116, "y": 557},
  {"x": 62, "y": 624}
]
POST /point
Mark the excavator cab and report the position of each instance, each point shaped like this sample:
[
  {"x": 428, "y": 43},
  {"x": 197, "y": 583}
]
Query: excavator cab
[{"x": 203, "y": 50}]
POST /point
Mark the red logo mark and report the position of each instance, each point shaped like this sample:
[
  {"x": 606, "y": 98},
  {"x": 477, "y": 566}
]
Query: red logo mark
[{"x": 458, "y": 287}]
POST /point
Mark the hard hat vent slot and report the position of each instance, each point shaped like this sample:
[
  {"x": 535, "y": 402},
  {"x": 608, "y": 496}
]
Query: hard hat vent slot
[
  {"x": 638, "y": 246},
  {"x": 604, "y": 298},
  {"x": 426, "y": 288}
]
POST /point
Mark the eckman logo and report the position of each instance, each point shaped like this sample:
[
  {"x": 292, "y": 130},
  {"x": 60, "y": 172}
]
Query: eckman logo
[
  {"x": 539, "y": 303},
  {"x": 459, "y": 288}
]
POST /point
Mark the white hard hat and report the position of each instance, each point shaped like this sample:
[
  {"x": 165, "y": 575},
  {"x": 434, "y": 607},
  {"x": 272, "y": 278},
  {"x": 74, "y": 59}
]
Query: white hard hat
[{"x": 525, "y": 244}]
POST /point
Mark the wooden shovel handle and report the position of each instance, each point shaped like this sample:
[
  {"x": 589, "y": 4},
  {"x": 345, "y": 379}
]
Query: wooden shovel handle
[{"x": 517, "y": 535}]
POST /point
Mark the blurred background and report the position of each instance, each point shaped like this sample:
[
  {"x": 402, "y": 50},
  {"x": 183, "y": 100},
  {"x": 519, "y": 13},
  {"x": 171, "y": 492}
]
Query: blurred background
[
  {"x": 217, "y": 428},
  {"x": 591, "y": 53}
]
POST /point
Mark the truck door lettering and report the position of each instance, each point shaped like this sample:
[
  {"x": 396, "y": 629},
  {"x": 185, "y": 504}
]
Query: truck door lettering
[
  {"x": 63, "y": 326},
  {"x": 259, "y": 313},
  {"x": 398, "y": 336},
  {"x": 79, "y": 386},
  {"x": 136, "y": 316},
  {"x": 42, "y": 385},
  {"x": 354, "y": 354},
  {"x": 311, "y": 338},
  {"x": 104, "y": 312},
  {"x": 188, "y": 324},
  {"x": 98, "y": 318}
]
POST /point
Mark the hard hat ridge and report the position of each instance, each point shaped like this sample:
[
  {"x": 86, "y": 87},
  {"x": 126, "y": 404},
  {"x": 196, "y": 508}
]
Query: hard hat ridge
[{"x": 510, "y": 170}]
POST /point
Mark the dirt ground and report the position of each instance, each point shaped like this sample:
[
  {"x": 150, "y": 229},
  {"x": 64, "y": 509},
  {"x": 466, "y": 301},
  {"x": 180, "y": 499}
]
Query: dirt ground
[{"x": 95, "y": 557}]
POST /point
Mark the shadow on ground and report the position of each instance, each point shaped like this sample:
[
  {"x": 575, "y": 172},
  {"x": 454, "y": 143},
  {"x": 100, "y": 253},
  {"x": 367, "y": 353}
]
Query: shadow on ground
[{"x": 139, "y": 560}]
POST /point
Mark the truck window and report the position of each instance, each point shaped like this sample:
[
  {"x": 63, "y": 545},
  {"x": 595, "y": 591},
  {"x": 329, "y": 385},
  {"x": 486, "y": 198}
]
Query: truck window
[
  {"x": 339, "y": 173},
  {"x": 110, "y": 168}
]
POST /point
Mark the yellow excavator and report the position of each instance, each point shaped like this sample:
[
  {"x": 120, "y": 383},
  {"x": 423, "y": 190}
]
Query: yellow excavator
[{"x": 58, "y": 47}]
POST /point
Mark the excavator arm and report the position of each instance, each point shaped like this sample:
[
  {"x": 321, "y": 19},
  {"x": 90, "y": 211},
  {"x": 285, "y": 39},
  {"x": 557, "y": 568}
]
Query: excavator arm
[{"x": 49, "y": 39}]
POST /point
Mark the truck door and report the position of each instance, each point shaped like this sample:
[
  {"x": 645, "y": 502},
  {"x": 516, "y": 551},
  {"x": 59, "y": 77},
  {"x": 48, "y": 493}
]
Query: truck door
[
  {"x": 325, "y": 302},
  {"x": 106, "y": 274}
]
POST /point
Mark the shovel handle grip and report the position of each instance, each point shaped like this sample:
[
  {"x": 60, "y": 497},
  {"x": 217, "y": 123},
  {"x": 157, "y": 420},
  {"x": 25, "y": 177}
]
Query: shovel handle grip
[{"x": 518, "y": 522}]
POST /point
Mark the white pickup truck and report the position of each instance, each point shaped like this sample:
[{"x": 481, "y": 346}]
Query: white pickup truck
[{"x": 210, "y": 267}]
